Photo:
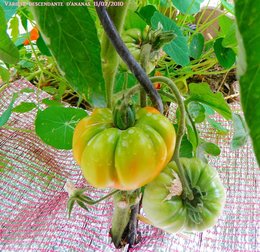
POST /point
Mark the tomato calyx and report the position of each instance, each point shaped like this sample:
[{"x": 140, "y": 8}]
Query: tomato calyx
[
  {"x": 123, "y": 114},
  {"x": 195, "y": 206},
  {"x": 77, "y": 195},
  {"x": 159, "y": 38},
  {"x": 175, "y": 189}
]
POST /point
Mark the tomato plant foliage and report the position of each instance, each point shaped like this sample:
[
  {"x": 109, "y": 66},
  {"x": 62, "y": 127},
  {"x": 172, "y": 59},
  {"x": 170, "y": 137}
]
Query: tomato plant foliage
[
  {"x": 71, "y": 35},
  {"x": 8, "y": 51},
  {"x": 249, "y": 66},
  {"x": 123, "y": 156},
  {"x": 55, "y": 125}
]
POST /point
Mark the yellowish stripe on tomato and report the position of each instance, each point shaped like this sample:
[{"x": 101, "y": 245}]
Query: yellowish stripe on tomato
[{"x": 97, "y": 162}]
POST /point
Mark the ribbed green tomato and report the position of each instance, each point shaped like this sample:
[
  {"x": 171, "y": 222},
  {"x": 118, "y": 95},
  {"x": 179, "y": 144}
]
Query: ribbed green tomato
[
  {"x": 123, "y": 159},
  {"x": 173, "y": 213}
]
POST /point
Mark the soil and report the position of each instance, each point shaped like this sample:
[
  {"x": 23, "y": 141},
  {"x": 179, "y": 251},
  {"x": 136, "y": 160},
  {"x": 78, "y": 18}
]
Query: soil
[{"x": 226, "y": 83}]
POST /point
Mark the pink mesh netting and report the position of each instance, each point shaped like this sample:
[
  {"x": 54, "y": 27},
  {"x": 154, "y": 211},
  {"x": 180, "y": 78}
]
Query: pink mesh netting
[{"x": 33, "y": 214}]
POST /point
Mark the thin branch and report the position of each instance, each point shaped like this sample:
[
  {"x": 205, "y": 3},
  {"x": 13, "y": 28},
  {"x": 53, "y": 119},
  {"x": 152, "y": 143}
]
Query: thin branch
[{"x": 180, "y": 133}]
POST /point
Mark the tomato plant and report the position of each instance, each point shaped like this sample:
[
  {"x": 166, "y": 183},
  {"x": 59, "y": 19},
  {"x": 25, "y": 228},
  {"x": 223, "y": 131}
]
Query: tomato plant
[{"x": 155, "y": 53}]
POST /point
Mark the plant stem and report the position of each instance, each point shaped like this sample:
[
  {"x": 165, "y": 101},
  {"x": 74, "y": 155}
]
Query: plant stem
[
  {"x": 105, "y": 197},
  {"x": 17, "y": 129},
  {"x": 170, "y": 96},
  {"x": 124, "y": 221},
  {"x": 181, "y": 130},
  {"x": 127, "y": 94},
  {"x": 194, "y": 129},
  {"x": 124, "y": 53},
  {"x": 121, "y": 216},
  {"x": 109, "y": 54},
  {"x": 174, "y": 89},
  {"x": 144, "y": 61}
]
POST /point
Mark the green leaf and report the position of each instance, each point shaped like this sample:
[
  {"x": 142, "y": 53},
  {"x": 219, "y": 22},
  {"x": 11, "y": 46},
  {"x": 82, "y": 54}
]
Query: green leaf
[
  {"x": 218, "y": 126},
  {"x": 9, "y": 8},
  {"x": 27, "y": 90},
  {"x": 187, "y": 6},
  {"x": 241, "y": 133},
  {"x": 196, "y": 46},
  {"x": 191, "y": 135},
  {"x": 26, "y": 64},
  {"x": 202, "y": 93},
  {"x": 20, "y": 40},
  {"x": 55, "y": 125},
  {"x": 71, "y": 35},
  {"x": 133, "y": 20},
  {"x": 177, "y": 49},
  {"x": 42, "y": 46},
  {"x": 14, "y": 26},
  {"x": 186, "y": 147},
  {"x": 120, "y": 80},
  {"x": 207, "y": 148},
  {"x": 50, "y": 90},
  {"x": 196, "y": 111},
  {"x": 8, "y": 51},
  {"x": 228, "y": 32},
  {"x": 210, "y": 148},
  {"x": 228, "y": 6},
  {"x": 147, "y": 12},
  {"x": 7, "y": 113},
  {"x": 226, "y": 56},
  {"x": 4, "y": 74},
  {"x": 50, "y": 103},
  {"x": 61, "y": 90},
  {"x": 208, "y": 110},
  {"x": 249, "y": 66},
  {"x": 230, "y": 40},
  {"x": 225, "y": 24},
  {"x": 24, "y": 107},
  {"x": 24, "y": 14}
]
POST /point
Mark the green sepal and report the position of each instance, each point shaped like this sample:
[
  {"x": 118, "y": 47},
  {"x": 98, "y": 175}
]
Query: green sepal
[
  {"x": 70, "y": 205},
  {"x": 160, "y": 38},
  {"x": 123, "y": 114},
  {"x": 81, "y": 204}
]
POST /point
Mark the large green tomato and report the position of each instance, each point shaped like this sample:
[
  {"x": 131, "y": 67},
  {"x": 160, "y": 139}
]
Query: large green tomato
[
  {"x": 174, "y": 213},
  {"x": 123, "y": 159}
]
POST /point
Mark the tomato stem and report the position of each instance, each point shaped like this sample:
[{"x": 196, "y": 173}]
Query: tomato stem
[
  {"x": 170, "y": 96},
  {"x": 194, "y": 129},
  {"x": 17, "y": 129},
  {"x": 124, "y": 221},
  {"x": 144, "y": 61},
  {"x": 109, "y": 55},
  {"x": 181, "y": 130},
  {"x": 105, "y": 197},
  {"x": 124, "y": 53}
]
